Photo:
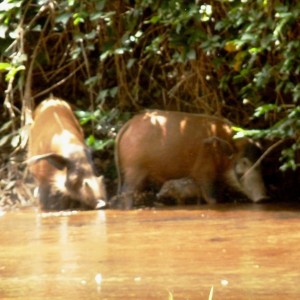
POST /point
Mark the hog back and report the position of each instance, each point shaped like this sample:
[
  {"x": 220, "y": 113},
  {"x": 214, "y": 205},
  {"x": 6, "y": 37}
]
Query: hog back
[{"x": 55, "y": 130}]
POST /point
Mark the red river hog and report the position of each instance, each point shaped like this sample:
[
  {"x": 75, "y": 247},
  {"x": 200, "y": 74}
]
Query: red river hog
[
  {"x": 180, "y": 189},
  {"x": 156, "y": 146},
  {"x": 60, "y": 161}
]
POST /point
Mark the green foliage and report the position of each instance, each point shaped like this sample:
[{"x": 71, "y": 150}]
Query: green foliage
[
  {"x": 239, "y": 59},
  {"x": 107, "y": 124}
]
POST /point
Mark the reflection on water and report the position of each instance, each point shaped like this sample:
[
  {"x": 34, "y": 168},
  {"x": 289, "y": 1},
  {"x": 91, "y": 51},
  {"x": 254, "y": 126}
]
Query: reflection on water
[{"x": 244, "y": 252}]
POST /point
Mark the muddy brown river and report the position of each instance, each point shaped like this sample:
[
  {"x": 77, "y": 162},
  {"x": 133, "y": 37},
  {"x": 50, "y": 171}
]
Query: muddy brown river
[{"x": 242, "y": 251}]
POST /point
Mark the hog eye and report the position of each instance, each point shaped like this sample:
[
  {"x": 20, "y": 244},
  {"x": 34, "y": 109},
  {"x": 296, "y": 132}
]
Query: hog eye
[{"x": 86, "y": 184}]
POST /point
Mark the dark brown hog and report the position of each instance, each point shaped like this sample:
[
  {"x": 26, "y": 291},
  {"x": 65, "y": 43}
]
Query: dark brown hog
[
  {"x": 156, "y": 146},
  {"x": 60, "y": 161},
  {"x": 180, "y": 190}
]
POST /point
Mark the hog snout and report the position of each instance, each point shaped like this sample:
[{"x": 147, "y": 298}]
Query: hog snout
[
  {"x": 95, "y": 192},
  {"x": 262, "y": 199},
  {"x": 251, "y": 180},
  {"x": 100, "y": 204},
  {"x": 159, "y": 194},
  {"x": 254, "y": 186}
]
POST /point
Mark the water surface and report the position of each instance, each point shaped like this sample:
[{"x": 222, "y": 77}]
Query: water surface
[{"x": 243, "y": 251}]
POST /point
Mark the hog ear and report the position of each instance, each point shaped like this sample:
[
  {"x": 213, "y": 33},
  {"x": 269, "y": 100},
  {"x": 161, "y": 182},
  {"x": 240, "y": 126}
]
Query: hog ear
[
  {"x": 224, "y": 145},
  {"x": 100, "y": 179},
  {"x": 101, "y": 183},
  {"x": 242, "y": 165},
  {"x": 56, "y": 160}
]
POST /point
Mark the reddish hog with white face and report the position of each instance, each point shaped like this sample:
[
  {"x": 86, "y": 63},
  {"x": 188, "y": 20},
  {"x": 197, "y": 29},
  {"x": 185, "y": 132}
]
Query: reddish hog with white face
[
  {"x": 60, "y": 161},
  {"x": 156, "y": 146}
]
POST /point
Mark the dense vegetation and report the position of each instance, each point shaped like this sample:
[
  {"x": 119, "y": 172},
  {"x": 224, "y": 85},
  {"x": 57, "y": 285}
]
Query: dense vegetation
[{"x": 239, "y": 59}]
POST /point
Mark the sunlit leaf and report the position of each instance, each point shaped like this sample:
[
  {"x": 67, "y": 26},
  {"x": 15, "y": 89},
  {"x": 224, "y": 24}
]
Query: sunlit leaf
[
  {"x": 103, "y": 94},
  {"x": 6, "y": 126},
  {"x": 241, "y": 132},
  {"x": 91, "y": 81},
  {"x": 238, "y": 60},
  {"x": 4, "y": 66},
  {"x": 130, "y": 63},
  {"x": 63, "y": 18},
  {"x": 4, "y": 139},
  {"x": 263, "y": 109},
  {"x": 191, "y": 55},
  {"x": 92, "y": 142},
  {"x": 71, "y": 2},
  {"x": 231, "y": 46},
  {"x": 154, "y": 19},
  {"x": 113, "y": 91},
  {"x": 7, "y": 5},
  {"x": 3, "y": 30},
  {"x": 13, "y": 71},
  {"x": 15, "y": 141}
]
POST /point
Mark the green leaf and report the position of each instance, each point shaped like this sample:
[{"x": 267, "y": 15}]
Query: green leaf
[
  {"x": 63, "y": 18},
  {"x": 7, "y": 5},
  {"x": 3, "y": 30},
  {"x": 4, "y": 140},
  {"x": 92, "y": 81},
  {"x": 154, "y": 20},
  {"x": 92, "y": 142},
  {"x": 113, "y": 91},
  {"x": 130, "y": 63},
  {"x": 191, "y": 55},
  {"x": 13, "y": 71},
  {"x": 5, "y": 66},
  {"x": 71, "y": 2},
  {"x": 103, "y": 94},
  {"x": 248, "y": 37},
  {"x": 16, "y": 140},
  {"x": 78, "y": 18},
  {"x": 263, "y": 109},
  {"x": 241, "y": 133},
  {"x": 83, "y": 114},
  {"x": 6, "y": 126}
]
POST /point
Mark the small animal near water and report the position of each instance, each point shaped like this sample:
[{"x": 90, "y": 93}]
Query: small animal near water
[
  {"x": 156, "y": 146},
  {"x": 60, "y": 161},
  {"x": 181, "y": 190}
]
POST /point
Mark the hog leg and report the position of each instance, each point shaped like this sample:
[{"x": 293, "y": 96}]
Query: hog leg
[
  {"x": 180, "y": 201},
  {"x": 49, "y": 201},
  {"x": 208, "y": 190},
  {"x": 204, "y": 174},
  {"x": 133, "y": 184},
  {"x": 125, "y": 198},
  {"x": 199, "y": 195}
]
